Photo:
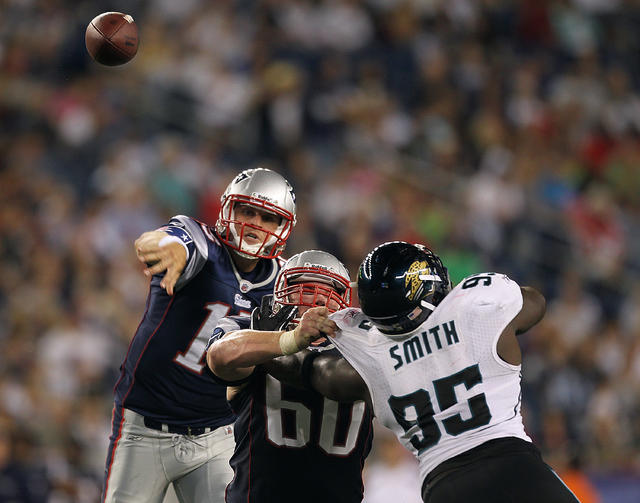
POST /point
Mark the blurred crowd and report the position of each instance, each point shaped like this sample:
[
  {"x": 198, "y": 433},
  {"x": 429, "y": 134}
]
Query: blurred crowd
[{"x": 504, "y": 134}]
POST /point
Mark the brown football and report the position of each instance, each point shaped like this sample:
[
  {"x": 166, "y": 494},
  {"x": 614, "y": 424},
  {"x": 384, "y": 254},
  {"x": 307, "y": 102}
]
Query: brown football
[{"x": 112, "y": 38}]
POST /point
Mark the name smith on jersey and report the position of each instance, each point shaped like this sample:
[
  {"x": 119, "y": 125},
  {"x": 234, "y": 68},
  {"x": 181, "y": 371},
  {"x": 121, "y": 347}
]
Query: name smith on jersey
[{"x": 424, "y": 343}]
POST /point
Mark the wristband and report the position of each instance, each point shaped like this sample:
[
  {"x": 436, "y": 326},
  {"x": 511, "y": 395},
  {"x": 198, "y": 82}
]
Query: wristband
[
  {"x": 173, "y": 239},
  {"x": 288, "y": 344},
  {"x": 307, "y": 368}
]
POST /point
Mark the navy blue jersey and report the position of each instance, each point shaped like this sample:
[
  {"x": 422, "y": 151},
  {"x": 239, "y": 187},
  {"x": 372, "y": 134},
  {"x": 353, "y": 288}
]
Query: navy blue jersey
[
  {"x": 164, "y": 375},
  {"x": 294, "y": 444}
]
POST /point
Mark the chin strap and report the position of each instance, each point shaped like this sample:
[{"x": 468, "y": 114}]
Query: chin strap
[
  {"x": 429, "y": 277},
  {"x": 428, "y": 305}
]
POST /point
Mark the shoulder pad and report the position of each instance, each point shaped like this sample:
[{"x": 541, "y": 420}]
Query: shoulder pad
[
  {"x": 488, "y": 288},
  {"x": 200, "y": 251},
  {"x": 180, "y": 220},
  {"x": 208, "y": 231}
]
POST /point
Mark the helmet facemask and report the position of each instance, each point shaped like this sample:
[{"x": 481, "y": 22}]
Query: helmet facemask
[
  {"x": 232, "y": 231},
  {"x": 310, "y": 279},
  {"x": 312, "y": 287}
]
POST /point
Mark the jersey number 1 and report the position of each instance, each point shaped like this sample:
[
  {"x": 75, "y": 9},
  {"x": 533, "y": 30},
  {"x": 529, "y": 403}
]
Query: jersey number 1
[{"x": 192, "y": 357}]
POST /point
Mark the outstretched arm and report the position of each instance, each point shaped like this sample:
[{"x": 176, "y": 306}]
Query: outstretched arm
[
  {"x": 234, "y": 356},
  {"x": 329, "y": 374}
]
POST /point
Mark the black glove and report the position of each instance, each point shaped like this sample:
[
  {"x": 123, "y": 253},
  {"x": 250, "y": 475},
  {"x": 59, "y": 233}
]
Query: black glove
[{"x": 263, "y": 317}]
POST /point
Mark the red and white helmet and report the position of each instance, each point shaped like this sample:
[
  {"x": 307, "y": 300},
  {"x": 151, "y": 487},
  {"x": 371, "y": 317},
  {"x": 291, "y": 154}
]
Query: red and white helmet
[
  {"x": 302, "y": 280},
  {"x": 264, "y": 190}
]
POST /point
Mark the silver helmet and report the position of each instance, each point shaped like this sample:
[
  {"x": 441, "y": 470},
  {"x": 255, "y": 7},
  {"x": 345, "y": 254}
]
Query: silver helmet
[
  {"x": 266, "y": 191},
  {"x": 310, "y": 276}
]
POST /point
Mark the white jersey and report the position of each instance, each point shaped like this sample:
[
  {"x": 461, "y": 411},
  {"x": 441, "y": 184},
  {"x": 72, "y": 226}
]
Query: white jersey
[{"x": 443, "y": 389}]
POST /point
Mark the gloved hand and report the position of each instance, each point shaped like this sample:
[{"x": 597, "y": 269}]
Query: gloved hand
[{"x": 263, "y": 317}]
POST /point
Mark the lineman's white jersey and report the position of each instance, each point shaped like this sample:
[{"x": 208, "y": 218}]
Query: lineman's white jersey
[{"x": 443, "y": 389}]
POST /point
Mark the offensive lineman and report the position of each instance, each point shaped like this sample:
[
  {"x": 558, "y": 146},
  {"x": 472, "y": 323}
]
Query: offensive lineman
[
  {"x": 171, "y": 422},
  {"x": 442, "y": 369},
  {"x": 286, "y": 434}
]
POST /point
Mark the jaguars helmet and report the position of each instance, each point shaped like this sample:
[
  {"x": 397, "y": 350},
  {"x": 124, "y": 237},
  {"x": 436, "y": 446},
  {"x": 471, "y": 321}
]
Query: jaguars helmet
[
  {"x": 399, "y": 285},
  {"x": 310, "y": 274},
  {"x": 265, "y": 190}
]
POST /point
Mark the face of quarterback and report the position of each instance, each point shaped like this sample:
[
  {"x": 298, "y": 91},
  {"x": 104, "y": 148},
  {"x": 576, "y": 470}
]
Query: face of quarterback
[{"x": 251, "y": 221}]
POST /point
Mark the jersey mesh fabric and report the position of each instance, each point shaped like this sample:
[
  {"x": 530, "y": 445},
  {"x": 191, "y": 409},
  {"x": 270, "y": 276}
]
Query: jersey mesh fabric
[{"x": 484, "y": 312}]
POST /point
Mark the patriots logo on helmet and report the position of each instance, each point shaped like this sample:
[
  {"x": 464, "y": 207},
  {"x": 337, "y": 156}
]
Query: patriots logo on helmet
[{"x": 241, "y": 176}]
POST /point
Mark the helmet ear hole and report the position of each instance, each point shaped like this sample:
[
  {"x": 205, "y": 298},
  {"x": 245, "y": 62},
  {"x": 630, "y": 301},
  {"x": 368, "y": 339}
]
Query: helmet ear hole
[{"x": 400, "y": 285}]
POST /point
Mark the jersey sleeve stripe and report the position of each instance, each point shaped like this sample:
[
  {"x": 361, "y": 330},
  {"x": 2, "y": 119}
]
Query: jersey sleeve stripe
[{"x": 164, "y": 315}]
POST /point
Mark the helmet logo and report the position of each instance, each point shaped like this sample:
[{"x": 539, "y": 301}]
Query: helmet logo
[
  {"x": 242, "y": 176},
  {"x": 309, "y": 265},
  {"x": 412, "y": 278},
  {"x": 262, "y": 197}
]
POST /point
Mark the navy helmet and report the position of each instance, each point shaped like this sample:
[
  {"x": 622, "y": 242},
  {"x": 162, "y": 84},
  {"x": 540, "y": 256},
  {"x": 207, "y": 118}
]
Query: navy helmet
[{"x": 399, "y": 285}]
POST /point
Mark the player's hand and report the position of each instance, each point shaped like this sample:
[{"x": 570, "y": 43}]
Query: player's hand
[
  {"x": 171, "y": 258},
  {"x": 263, "y": 318},
  {"x": 314, "y": 324}
]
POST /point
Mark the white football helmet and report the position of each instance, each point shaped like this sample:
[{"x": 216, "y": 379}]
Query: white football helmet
[
  {"x": 297, "y": 281},
  {"x": 264, "y": 190}
]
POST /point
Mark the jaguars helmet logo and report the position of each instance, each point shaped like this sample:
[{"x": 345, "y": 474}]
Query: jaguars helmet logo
[{"x": 412, "y": 280}]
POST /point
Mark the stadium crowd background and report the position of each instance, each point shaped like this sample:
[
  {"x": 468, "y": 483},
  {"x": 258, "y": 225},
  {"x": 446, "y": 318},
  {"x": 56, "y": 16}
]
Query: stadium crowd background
[{"x": 504, "y": 134}]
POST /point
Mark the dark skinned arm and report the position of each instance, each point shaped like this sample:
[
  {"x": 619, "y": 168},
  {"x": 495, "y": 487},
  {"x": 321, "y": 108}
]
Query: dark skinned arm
[
  {"x": 328, "y": 374},
  {"x": 534, "y": 306},
  {"x": 287, "y": 369},
  {"x": 532, "y": 311}
]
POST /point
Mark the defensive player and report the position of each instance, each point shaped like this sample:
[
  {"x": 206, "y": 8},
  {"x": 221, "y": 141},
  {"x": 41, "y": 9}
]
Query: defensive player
[
  {"x": 171, "y": 422},
  {"x": 288, "y": 436},
  {"x": 442, "y": 369}
]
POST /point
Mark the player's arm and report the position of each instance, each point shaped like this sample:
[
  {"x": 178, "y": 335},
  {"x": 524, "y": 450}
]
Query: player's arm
[
  {"x": 533, "y": 308},
  {"x": 329, "y": 374},
  {"x": 531, "y": 312},
  {"x": 234, "y": 356}
]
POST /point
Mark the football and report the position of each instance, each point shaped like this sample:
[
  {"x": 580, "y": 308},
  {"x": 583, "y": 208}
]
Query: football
[{"x": 112, "y": 38}]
